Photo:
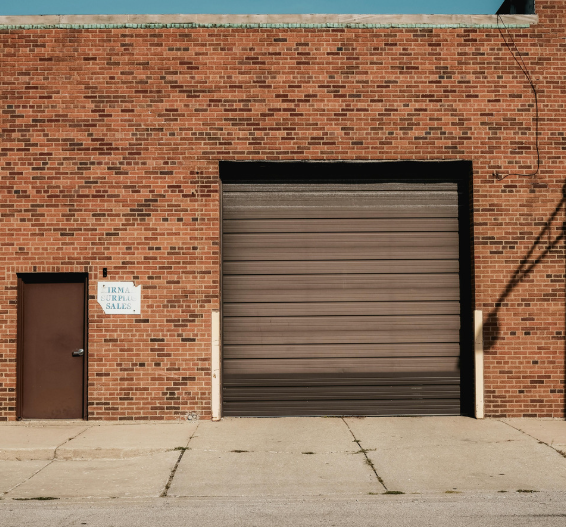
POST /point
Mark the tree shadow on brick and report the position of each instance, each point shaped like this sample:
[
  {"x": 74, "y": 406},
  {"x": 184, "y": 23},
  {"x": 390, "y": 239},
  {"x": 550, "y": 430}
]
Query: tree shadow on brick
[{"x": 492, "y": 326}]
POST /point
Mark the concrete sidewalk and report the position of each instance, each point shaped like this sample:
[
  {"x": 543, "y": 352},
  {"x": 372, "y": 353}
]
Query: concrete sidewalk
[{"x": 281, "y": 457}]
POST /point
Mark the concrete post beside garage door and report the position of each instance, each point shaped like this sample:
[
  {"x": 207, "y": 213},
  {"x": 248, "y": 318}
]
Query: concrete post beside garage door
[
  {"x": 215, "y": 351},
  {"x": 478, "y": 362}
]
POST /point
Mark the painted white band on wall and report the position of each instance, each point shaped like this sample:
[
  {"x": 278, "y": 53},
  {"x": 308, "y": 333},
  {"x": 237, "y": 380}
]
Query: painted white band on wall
[
  {"x": 478, "y": 361},
  {"x": 215, "y": 353}
]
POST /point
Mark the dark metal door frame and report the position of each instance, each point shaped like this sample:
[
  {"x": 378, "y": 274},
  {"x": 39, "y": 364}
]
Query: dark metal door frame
[{"x": 24, "y": 278}]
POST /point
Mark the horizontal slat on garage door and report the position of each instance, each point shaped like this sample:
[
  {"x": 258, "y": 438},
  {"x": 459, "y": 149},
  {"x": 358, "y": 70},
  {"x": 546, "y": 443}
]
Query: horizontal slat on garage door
[
  {"x": 340, "y": 246},
  {"x": 348, "y": 350},
  {"x": 294, "y": 267},
  {"x": 301, "y": 380},
  {"x": 407, "y": 406},
  {"x": 341, "y": 329},
  {"x": 341, "y": 288},
  {"x": 306, "y": 309},
  {"x": 338, "y": 204},
  {"x": 343, "y": 366},
  {"x": 341, "y": 225},
  {"x": 341, "y": 299},
  {"x": 387, "y": 392}
]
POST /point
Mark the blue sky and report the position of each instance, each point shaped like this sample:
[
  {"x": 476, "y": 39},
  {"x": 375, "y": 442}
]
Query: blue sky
[{"x": 78, "y": 7}]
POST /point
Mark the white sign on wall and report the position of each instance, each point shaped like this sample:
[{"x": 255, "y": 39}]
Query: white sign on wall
[{"x": 119, "y": 298}]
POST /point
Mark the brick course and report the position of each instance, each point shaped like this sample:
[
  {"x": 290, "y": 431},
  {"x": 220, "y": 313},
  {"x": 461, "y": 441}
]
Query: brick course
[{"x": 110, "y": 144}]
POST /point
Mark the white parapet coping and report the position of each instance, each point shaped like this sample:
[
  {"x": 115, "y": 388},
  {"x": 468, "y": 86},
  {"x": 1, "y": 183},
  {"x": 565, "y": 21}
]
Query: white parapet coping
[
  {"x": 478, "y": 363},
  {"x": 258, "y": 20}
]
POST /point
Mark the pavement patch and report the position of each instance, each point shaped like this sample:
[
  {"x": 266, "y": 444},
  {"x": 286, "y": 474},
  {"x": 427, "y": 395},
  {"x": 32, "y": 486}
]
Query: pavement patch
[
  {"x": 289, "y": 434},
  {"x": 125, "y": 478},
  {"x": 204, "y": 473},
  {"x": 551, "y": 432},
  {"x": 433, "y": 454}
]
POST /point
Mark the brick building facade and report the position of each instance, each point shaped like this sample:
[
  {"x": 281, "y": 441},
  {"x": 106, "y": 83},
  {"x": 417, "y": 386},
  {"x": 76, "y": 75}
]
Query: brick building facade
[{"x": 112, "y": 138}]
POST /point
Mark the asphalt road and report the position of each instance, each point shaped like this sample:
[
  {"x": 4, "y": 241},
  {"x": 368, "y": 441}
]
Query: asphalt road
[{"x": 544, "y": 509}]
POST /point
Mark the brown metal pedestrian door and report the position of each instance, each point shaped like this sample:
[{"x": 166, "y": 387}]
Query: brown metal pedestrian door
[
  {"x": 341, "y": 298},
  {"x": 52, "y": 342}
]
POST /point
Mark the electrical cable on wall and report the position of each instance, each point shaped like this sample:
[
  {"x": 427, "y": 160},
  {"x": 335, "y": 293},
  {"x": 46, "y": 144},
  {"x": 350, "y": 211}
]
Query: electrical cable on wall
[{"x": 525, "y": 71}]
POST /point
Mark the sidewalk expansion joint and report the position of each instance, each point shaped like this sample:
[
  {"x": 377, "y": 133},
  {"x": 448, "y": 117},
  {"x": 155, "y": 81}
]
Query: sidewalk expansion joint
[
  {"x": 174, "y": 470},
  {"x": 363, "y": 451},
  {"x": 559, "y": 452}
]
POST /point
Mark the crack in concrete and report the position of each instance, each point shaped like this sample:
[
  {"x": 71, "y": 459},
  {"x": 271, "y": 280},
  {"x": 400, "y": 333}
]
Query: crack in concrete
[
  {"x": 27, "y": 479},
  {"x": 364, "y": 452},
  {"x": 174, "y": 470},
  {"x": 46, "y": 465},
  {"x": 559, "y": 452},
  {"x": 326, "y": 452},
  {"x": 66, "y": 441}
]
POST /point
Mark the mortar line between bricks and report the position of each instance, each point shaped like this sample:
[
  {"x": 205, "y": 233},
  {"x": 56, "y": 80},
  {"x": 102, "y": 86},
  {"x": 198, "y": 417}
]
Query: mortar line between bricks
[
  {"x": 563, "y": 454},
  {"x": 174, "y": 469},
  {"x": 364, "y": 452}
]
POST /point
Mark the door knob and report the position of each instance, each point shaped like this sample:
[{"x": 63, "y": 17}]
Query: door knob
[{"x": 78, "y": 353}]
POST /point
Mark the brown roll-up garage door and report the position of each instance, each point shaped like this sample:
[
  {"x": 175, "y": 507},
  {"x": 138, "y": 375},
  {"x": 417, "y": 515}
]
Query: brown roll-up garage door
[{"x": 341, "y": 296}]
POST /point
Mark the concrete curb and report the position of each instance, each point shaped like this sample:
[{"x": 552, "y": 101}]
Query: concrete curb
[
  {"x": 89, "y": 454},
  {"x": 69, "y": 442},
  {"x": 27, "y": 454}
]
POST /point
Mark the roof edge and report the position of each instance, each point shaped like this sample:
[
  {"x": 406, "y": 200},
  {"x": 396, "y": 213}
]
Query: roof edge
[{"x": 262, "y": 21}]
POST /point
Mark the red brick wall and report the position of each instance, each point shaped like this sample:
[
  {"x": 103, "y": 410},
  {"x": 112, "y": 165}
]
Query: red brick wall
[{"x": 110, "y": 143}]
